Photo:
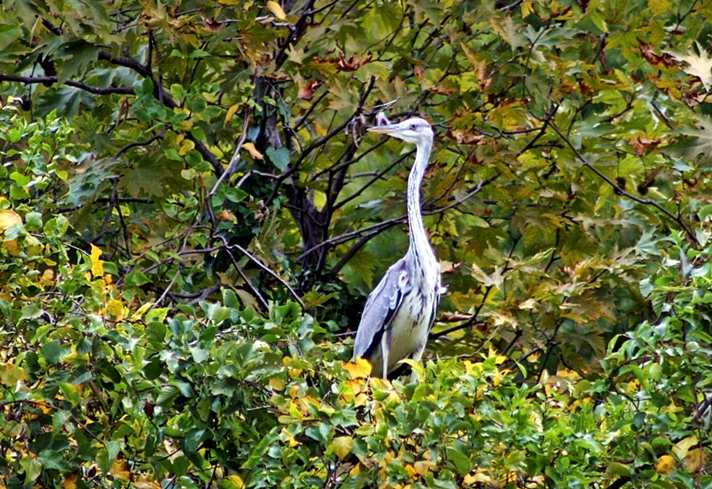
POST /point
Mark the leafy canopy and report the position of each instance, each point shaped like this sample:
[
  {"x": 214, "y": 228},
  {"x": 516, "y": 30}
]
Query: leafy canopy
[{"x": 191, "y": 213}]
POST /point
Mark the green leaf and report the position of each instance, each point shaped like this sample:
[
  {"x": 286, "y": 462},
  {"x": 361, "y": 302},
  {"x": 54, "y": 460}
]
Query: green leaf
[
  {"x": 33, "y": 221},
  {"x": 279, "y": 157},
  {"x": 51, "y": 351},
  {"x": 53, "y": 460},
  {"x": 136, "y": 279},
  {"x": 460, "y": 461},
  {"x": 56, "y": 227},
  {"x": 31, "y": 311},
  {"x": 167, "y": 395},
  {"x": 106, "y": 456}
]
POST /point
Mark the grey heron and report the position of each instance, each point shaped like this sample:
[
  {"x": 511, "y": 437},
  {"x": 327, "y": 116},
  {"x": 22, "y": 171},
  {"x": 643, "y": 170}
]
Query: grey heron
[{"x": 401, "y": 309}]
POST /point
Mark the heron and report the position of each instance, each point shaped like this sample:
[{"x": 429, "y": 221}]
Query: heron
[{"x": 400, "y": 311}]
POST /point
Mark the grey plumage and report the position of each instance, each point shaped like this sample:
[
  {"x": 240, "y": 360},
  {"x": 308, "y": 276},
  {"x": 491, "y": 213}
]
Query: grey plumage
[{"x": 401, "y": 309}]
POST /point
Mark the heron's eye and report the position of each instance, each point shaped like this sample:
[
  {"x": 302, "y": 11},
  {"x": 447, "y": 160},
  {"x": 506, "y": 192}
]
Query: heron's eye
[{"x": 413, "y": 127}]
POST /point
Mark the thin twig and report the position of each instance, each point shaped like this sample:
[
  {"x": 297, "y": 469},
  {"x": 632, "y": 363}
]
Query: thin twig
[
  {"x": 260, "y": 299},
  {"x": 235, "y": 157},
  {"x": 263, "y": 267},
  {"x": 168, "y": 288},
  {"x": 141, "y": 143}
]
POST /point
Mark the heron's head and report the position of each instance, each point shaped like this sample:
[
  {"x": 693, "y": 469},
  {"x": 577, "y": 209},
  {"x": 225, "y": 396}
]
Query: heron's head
[{"x": 413, "y": 130}]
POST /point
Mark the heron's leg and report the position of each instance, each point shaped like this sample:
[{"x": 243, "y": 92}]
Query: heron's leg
[{"x": 384, "y": 353}]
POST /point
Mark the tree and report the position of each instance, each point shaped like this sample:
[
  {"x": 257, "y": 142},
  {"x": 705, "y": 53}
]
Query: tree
[{"x": 190, "y": 209}]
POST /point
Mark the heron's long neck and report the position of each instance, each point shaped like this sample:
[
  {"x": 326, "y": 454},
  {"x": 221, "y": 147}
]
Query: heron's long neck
[{"x": 418, "y": 238}]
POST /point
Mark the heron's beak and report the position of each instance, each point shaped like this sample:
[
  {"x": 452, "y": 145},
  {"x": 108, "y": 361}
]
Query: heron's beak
[{"x": 388, "y": 129}]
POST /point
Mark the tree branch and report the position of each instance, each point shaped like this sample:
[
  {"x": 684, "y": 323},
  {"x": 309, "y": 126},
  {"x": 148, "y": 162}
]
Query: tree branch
[
  {"x": 262, "y": 266},
  {"x": 31, "y": 80},
  {"x": 164, "y": 99},
  {"x": 141, "y": 143},
  {"x": 622, "y": 191},
  {"x": 373, "y": 230}
]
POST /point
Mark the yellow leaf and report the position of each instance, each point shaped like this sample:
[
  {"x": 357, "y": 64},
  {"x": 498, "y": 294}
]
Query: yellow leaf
[
  {"x": 186, "y": 147},
  {"x": 136, "y": 316},
  {"x": 8, "y": 219},
  {"x": 10, "y": 374},
  {"x": 665, "y": 465},
  {"x": 236, "y": 481},
  {"x": 12, "y": 247},
  {"x": 70, "y": 482},
  {"x": 478, "y": 477},
  {"x": 116, "y": 308},
  {"x": 120, "y": 470},
  {"x": 97, "y": 265},
  {"x": 253, "y": 151},
  {"x": 695, "y": 460},
  {"x": 422, "y": 467},
  {"x": 146, "y": 484},
  {"x": 231, "y": 112},
  {"x": 681, "y": 448},
  {"x": 342, "y": 446},
  {"x": 276, "y": 10},
  {"x": 47, "y": 277},
  {"x": 276, "y": 384},
  {"x": 359, "y": 369}
]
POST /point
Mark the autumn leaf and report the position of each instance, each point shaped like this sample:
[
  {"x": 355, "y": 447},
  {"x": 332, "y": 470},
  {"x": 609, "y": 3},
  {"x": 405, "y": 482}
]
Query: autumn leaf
[
  {"x": 231, "y": 112},
  {"x": 695, "y": 460},
  {"x": 277, "y": 384},
  {"x": 352, "y": 63},
  {"x": 342, "y": 446},
  {"x": 276, "y": 10},
  {"x": 8, "y": 218},
  {"x": 250, "y": 147},
  {"x": 97, "y": 265},
  {"x": 120, "y": 470},
  {"x": 665, "y": 465},
  {"x": 653, "y": 58},
  {"x": 699, "y": 65},
  {"x": 306, "y": 92},
  {"x": 360, "y": 369},
  {"x": 116, "y": 308},
  {"x": 70, "y": 481}
]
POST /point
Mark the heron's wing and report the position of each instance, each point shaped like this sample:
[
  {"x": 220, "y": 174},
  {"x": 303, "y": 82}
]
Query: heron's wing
[{"x": 381, "y": 306}]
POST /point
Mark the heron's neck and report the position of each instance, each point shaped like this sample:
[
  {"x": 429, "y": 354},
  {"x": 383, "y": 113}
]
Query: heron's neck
[{"x": 419, "y": 243}]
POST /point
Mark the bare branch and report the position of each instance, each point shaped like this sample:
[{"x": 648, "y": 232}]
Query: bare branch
[
  {"x": 235, "y": 157},
  {"x": 263, "y": 267},
  {"x": 54, "y": 29},
  {"x": 369, "y": 232}
]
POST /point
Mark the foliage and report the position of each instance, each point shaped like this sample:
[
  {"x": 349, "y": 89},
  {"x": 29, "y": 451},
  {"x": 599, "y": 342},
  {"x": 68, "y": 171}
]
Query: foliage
[{"x": 191, "y": 213}]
